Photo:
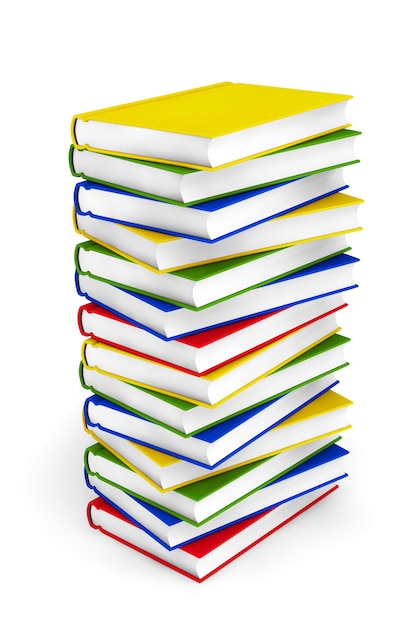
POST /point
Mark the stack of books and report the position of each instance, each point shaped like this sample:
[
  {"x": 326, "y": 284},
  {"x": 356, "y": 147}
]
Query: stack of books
[{"x": 213, "y": 265}]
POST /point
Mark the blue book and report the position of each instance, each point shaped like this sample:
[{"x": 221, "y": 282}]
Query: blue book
[
  {"x": 327, "y": 217},
  {"x": 323, "y": 468},
  {"x": 151, "y": 473},
  {"x": 169, "y": 320},
  {"x": 185, "y": 186},
  {"x": 209, "y": 447},
  {"x": 204, "y": 285},
  {"x": 204, "y": 221},
  {"x": 327, "y": 357}
]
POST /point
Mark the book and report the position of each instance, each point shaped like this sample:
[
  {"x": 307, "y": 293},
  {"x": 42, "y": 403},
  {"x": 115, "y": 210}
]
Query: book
[
  {"x": 322, "y": 469},
  {"x": 323, "y": 418},
  {"x": 211, "y": 446},
  {"x": 200, "y": 501},
  {"x": 202, "y": 558},
  {"x": 206, "y": 221},
  {"x": 217, "y": 385},
  {"x": 327, "y": 357},
  {"x": 206, "y": 284},
  {"x": 188, "y": 186},
  {"x": 167, "y": 320},
  {"x": 225, "y": 337},
  {"x": 206, "y": 350},
  {"x": 328, "y": 217},
  {"x": 211, "y": 126}
]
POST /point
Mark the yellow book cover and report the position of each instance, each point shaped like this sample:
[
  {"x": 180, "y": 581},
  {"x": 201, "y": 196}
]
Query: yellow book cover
[
  {"x": 162, "y": 461},
  {"x": 210, "y": 126},
  {"x": 126, "y": 363},
  {"x": 161, "y": 252}
]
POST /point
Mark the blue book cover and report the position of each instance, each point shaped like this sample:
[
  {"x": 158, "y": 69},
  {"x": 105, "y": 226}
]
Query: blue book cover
[
  {"x": 198, "y": 444},
  {"x": 209, "y": 206},
  {"x": 156, "y": 520},
  {"x": 165, "y": 307}
]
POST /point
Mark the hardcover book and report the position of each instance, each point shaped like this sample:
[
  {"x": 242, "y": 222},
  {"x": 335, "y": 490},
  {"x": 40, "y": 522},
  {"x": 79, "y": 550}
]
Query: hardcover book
[
  {"x": 206, "y": 350},
  {"x": 325, "y": 417},
  {"x": 322, "y": 469},
  {"x": 328, "y": 217},
  {"x": 171, "y": 321},
  {"x": 200, "y": 501},
  {"x": 205, "y": 221},
  {"x": 327, "y": 357},
  {"x": 204, "y": 285},
  {"x": 215, "y": 266},
  {"x": 213, "y": 445},
  {"x": 202, "y": 558},
  {"x": 243, "y": 121},
  {"x": 187, "y": 186},
  {"x": 219, "y": 384}
]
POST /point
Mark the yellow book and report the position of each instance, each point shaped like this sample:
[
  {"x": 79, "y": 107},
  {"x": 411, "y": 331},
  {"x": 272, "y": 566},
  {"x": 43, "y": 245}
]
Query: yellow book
[
  {"x": 328, "y": 357},
  {"x": 212, "y": 446},
  {"x": 323, "y": 418},
  {"x": 331, "y": 216},
  {"x": 216, "y": 386},
  {"x": 212, "y": 126}
]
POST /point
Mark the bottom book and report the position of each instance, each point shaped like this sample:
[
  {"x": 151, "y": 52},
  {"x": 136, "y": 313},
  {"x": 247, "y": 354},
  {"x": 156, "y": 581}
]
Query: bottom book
[{"x": 202, "y": 558}]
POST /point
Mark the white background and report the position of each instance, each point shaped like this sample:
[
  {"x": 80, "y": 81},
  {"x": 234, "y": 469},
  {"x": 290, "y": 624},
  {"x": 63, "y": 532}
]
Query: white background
[{"x": 352, "y": 559}]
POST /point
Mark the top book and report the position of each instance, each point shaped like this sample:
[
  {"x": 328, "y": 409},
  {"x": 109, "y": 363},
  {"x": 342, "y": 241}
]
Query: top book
[{"x": 210, "y": 127}]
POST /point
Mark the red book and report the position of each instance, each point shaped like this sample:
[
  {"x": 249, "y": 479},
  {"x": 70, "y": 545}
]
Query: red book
[
  {"x": 202, "y": 558},
  {"x": 203, "y": 351}
]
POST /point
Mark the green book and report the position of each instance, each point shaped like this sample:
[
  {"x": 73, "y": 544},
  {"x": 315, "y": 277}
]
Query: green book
[
  {"x": 204, "y": 285},
  {"x": 188, "y": 419},
  {"x": 200, "y": 501},
  {"x": 171, "y": 321},
  {"x": 214, "y": 445},
  {"x": 207, "y": 222},
  {"x": 322, "y": 416},
  {"x": 186, "y": 186}
]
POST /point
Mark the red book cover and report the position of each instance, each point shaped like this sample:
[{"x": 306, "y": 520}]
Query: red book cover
[
  {"x": 203, "y": 546},
  {"x": 197, "y": 340}
]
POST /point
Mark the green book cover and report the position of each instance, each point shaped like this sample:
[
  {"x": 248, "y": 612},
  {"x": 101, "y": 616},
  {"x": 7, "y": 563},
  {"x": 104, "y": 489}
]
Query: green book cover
[
  {"x": 201, "y": 489},
  {"x": 185, "y": 171},
  {"x": 194, "y": 274}
]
